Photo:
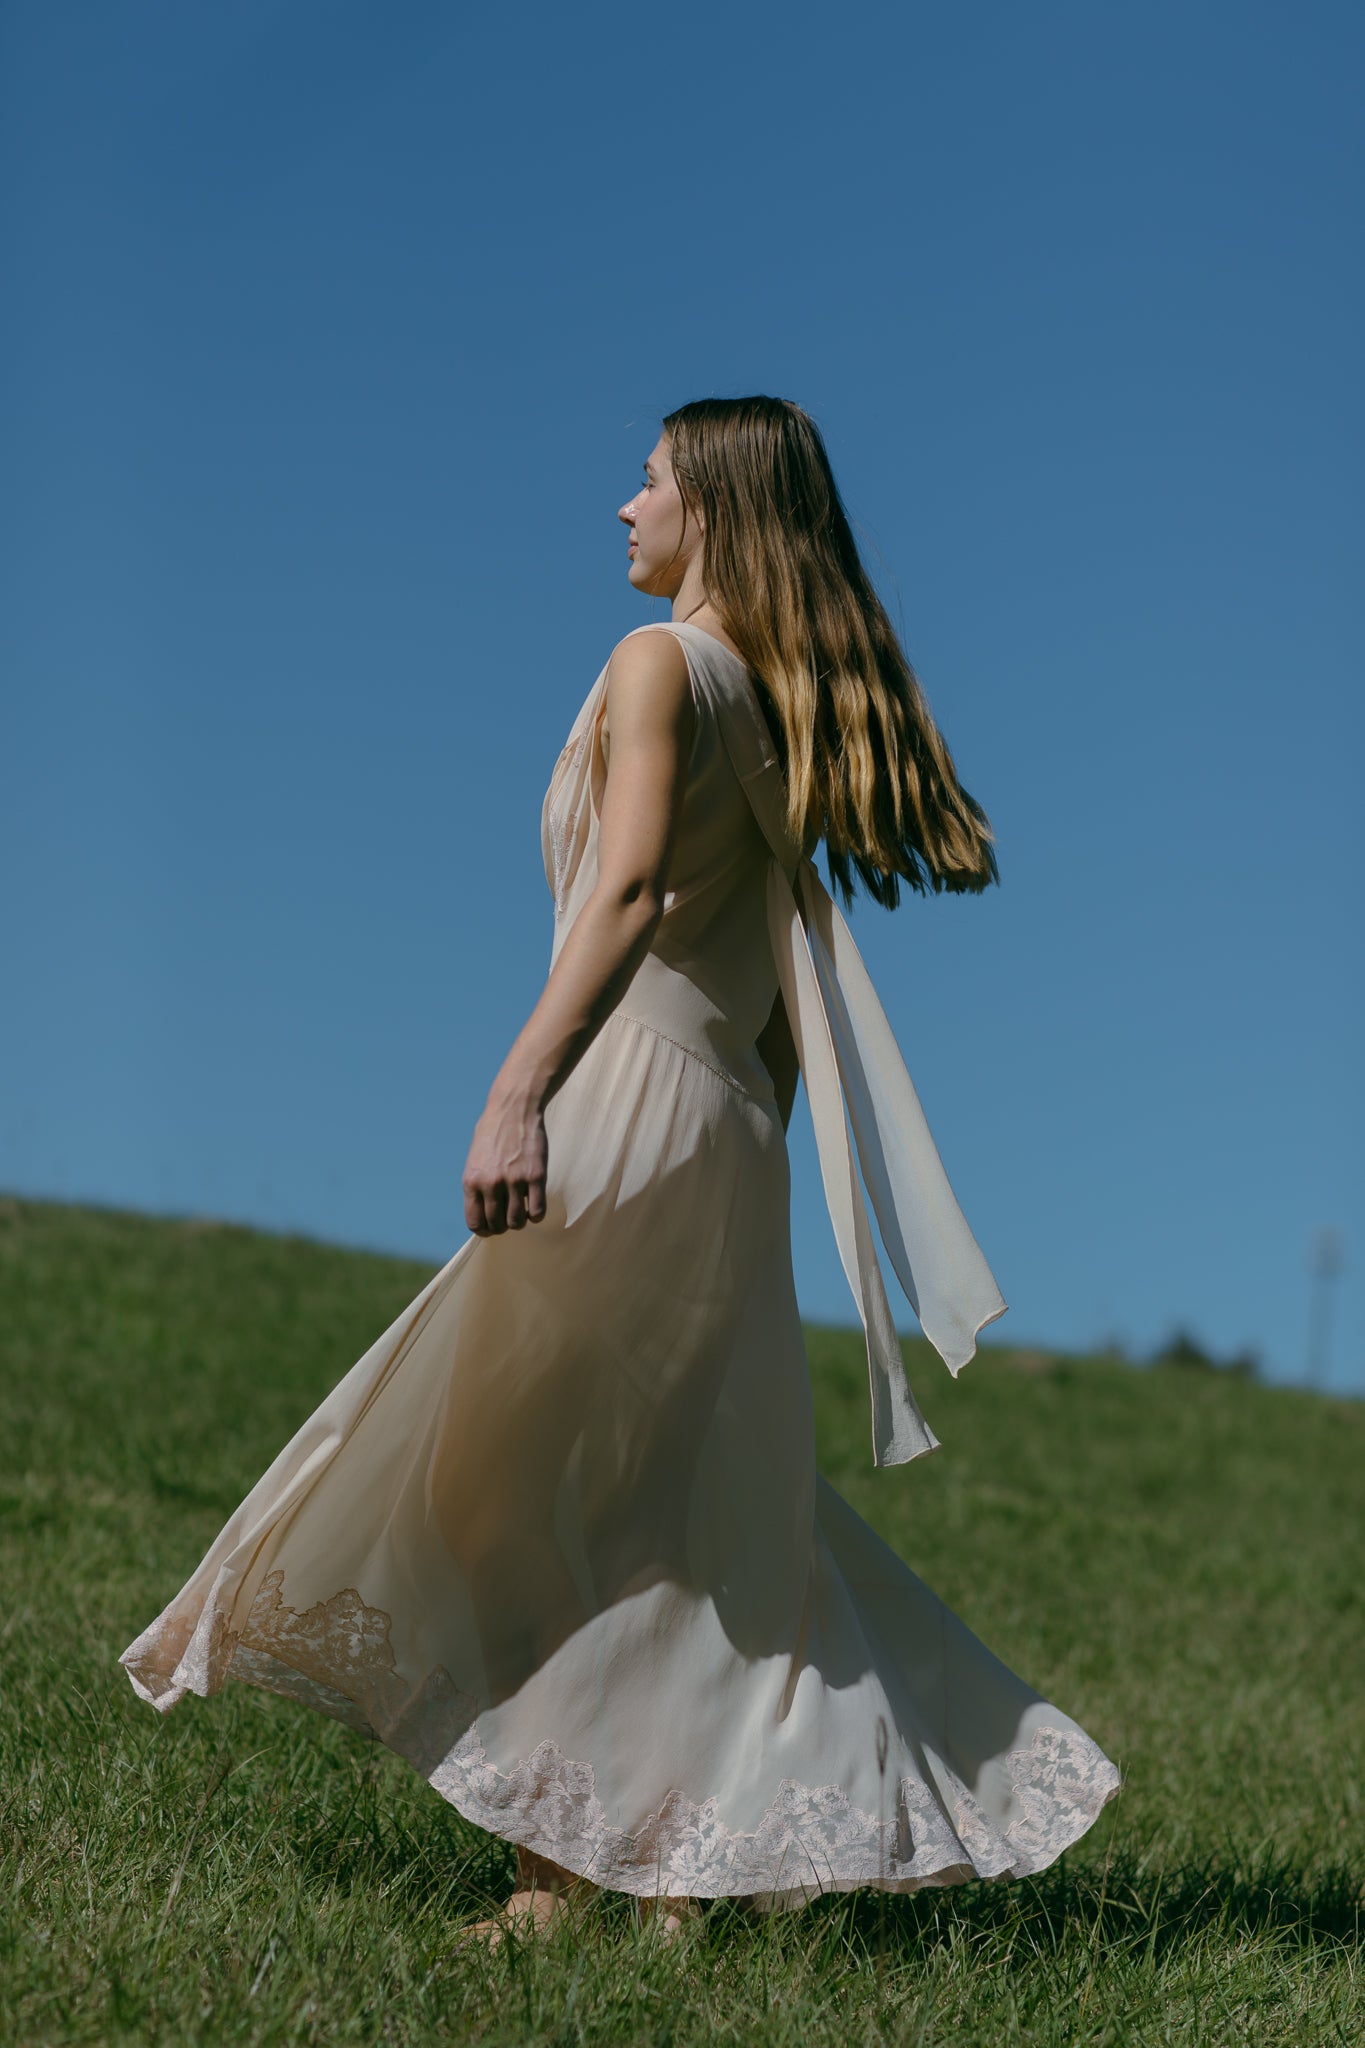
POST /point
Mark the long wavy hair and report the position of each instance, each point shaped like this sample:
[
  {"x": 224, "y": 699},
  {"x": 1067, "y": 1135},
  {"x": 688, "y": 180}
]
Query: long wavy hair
[{"x": 866, "y": 768}]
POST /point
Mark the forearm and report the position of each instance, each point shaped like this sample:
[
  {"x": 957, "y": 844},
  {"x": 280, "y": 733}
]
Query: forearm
[{"x": 609, "y": 938}]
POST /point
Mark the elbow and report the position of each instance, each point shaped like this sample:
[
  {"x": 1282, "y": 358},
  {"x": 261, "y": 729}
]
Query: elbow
[{"x": 639, "y": 901}]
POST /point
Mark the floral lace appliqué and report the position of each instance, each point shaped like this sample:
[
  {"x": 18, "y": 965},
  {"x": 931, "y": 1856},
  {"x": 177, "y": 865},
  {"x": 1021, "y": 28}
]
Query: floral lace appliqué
[{"x": 337, "y": 1657}]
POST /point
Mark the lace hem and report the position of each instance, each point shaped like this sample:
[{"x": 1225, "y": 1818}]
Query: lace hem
[{"x": 337, "y": 1658}]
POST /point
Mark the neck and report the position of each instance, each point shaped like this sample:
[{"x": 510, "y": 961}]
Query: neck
[{"x": 690, "y": 599}]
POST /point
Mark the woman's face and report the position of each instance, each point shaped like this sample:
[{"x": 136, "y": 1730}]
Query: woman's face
[{"x": 659, "y": 550}]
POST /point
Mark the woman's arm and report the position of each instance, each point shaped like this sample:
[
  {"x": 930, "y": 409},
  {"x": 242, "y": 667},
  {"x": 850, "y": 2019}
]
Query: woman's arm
[
  {"x": 777, "y": 1050},
  {"x": 650, "y": 718}
]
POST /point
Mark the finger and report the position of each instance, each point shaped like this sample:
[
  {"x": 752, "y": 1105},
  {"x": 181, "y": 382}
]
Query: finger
[
  {"x": 474, "y": 1212},
  {"x": 495, "y": 1206},
  {"x": 516, "y": 1205},
  {"x": 535, "y": 1201}
]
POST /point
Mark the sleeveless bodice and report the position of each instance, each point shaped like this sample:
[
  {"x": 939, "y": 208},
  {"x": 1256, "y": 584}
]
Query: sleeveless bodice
[{"x": 709, "y": 979}]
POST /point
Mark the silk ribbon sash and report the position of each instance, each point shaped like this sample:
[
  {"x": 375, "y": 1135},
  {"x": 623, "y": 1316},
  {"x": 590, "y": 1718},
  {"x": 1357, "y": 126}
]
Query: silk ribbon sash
[{"x": 865, "y": 1112}]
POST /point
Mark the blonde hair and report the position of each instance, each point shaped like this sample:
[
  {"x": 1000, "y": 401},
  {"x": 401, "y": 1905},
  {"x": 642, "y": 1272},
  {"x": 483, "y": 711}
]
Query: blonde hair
[{"x": 866, "y": 768}]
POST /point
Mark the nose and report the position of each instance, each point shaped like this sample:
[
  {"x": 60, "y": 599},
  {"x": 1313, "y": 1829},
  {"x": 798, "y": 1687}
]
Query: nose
[{"x": 627, "y": 514}]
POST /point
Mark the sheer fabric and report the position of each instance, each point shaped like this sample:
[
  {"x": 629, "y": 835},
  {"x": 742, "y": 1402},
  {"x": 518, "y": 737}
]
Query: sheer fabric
[{"x": 558, "y": 1538}]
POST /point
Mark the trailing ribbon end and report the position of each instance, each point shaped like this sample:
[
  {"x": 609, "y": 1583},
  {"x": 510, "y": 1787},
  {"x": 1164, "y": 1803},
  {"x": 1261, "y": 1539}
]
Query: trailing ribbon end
[
  {"x": 936, "y": 1259},
  {"x": 865, "y": 1113},
  {"x": 899, "y": 1431}
]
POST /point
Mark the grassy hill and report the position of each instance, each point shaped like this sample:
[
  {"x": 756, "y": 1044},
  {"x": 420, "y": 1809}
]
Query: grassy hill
[{"x": 1175, "y": 1558}]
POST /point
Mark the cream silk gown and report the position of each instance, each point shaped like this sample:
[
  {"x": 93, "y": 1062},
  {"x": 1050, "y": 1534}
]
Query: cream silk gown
[{"x": 558, "y": 1538}]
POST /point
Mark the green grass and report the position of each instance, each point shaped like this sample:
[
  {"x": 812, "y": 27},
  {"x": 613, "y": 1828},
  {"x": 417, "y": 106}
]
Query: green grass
[{"x": 1176, "y": 1559}]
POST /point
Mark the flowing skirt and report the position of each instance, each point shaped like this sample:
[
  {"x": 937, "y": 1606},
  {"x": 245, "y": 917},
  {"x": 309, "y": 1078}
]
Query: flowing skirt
[{"x": 558, "y": 1540}]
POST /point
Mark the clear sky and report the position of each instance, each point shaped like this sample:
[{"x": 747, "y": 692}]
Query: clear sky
[{"x": 337, "y": 334}]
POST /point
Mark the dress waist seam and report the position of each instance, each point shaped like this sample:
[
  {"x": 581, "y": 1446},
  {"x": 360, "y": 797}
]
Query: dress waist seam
[{"x": 692, "y": 1054}]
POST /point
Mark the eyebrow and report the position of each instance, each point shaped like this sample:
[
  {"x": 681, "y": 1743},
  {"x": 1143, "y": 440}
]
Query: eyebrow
[{"x": 649, "y": 469}]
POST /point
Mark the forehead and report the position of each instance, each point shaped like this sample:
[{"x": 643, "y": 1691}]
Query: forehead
[{"x": 657, "y": 458}]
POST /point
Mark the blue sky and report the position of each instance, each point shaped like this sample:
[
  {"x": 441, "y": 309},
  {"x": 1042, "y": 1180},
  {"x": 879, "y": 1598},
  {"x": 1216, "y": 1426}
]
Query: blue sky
[{"x": 340, "y": 334}]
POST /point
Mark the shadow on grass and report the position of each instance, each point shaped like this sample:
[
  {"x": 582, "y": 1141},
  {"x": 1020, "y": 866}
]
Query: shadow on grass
[
  {"x": 1128, "y": 1904},
  {"x": 430, "y": 1859}
]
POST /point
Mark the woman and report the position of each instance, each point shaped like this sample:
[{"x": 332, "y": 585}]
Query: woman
[{"x": 558, "y": 1537}]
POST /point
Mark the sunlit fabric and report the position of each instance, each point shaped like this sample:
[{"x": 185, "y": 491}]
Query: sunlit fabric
[{"x": 558, "y": 1537}]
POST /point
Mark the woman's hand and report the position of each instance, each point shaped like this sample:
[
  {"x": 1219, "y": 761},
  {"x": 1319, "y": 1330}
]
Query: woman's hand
[{"x": 504, "y": 1175}]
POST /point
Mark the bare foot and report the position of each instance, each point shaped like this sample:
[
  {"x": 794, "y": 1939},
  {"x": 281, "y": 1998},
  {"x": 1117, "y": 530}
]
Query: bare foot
[
  {"x": 545, "y": 1893},
  {"x": 526, "y": 1913},
  {"x": 669, "y": 1915}
]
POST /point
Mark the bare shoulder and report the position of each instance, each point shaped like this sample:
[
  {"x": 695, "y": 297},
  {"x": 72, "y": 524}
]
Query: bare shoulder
[{"x": 649, "y": 684}]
